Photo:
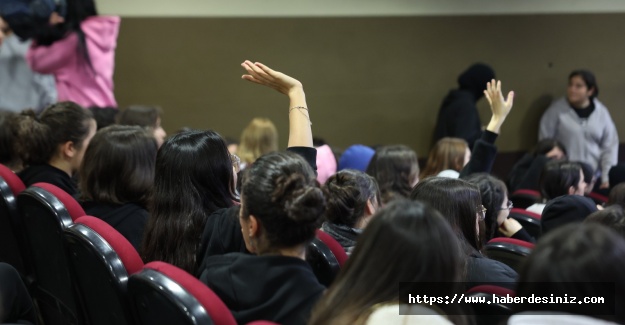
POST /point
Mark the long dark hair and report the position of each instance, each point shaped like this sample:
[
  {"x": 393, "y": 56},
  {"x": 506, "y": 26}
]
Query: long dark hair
[
  {"x": 281, "y": 191},
  {"x": 405, "y": 242},
  {"x": 458, "y": 201},
  {"x": 118, "y": 166},
  {"x": 492, "y": 191},
  {"x": 395, "y": 168},
  {"x": 193, "y": 178},
  {"x": 576, "y": 260},
  {"x": 347, "y": 193}
]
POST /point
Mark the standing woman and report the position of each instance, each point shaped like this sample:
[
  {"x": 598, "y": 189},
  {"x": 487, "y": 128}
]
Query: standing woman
[
  {"x": 583, "y": 125},
  {"x": 78, "y": 47}
]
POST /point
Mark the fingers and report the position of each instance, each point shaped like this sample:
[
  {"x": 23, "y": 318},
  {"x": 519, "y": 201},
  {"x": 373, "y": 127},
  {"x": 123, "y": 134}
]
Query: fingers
[{"x": 510, "y": 99}]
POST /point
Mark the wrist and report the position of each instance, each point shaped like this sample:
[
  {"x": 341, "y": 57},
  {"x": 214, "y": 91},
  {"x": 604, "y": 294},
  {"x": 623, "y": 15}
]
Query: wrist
[
  {"x": 296, "y": 91},
  {"x": 494, "y": 125}
]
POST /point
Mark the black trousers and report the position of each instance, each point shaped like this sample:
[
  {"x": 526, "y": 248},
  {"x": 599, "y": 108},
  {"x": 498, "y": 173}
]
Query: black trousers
[{"x": 16, "y": 306}]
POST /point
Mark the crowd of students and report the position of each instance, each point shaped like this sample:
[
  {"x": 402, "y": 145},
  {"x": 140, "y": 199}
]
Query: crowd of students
[{"x": 190, "y": 201}]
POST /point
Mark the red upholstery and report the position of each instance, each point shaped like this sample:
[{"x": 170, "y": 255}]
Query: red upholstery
[
  {"x": 598, "y": 197},
  {"x": 216, "y": 309},
  {"x": 72, "y": 206},
  {"x": 513, "y": 241},
  {"x": 14, "y": 182},
  {"x": 526, "y": 213},
  {"x": 126, "y": 252},
  {"x": 334, "y": 246},
  {"x": 262, "y": 322},
  {"x": 526, "y": 192},
  {"x": 491, "y": 289}
]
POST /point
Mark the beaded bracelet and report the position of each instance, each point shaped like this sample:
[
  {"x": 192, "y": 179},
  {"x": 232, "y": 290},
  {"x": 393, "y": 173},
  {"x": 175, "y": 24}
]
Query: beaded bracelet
[{"x": 299, "y": 108}]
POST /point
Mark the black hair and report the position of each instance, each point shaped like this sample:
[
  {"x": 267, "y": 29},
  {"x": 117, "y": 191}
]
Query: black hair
[
  {"x": 493, "y": 191},
  {"x": 557, "y": 177},
  {"x": 118, "y": 166},
  {"x": 193, "y": 178},
  {"x": 589, "y": 80},
  {"x": 544, "y": 146},
  {"x": 458, "y": 201},
  {"x": 104, "y": 116},
  {"x": 347, "y": 193},
  {"x": 7, "y": 151},
  {"x": 395, "y": 168},
  {"x": 141, "y": 115},
  {"x": 38, "y": 138},
  {"x": 576, "y": 260},
  {"x": 281, "y": 191},
  {"x": 405, "y": 242}
]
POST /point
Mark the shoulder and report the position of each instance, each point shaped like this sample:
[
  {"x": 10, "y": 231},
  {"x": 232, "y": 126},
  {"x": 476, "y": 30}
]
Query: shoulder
[{"x": 558, "y": 105}]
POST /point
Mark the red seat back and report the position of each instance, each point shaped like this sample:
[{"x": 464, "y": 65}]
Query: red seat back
[
  {"x": 73, "y": 207},
  {"x": 12, "y": 239},
  {"x": 334, "y": 246}
]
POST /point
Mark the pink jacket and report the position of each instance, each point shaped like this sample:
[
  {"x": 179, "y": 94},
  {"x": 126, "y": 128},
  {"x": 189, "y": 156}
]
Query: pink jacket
[{"x": 75, "y": 80}]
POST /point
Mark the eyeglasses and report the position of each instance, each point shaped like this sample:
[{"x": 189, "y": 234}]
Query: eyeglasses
[
  {"x": 508, "y": 207},
  {"x": 481, "y": 210},
  {"x": 236, "y": 162}
]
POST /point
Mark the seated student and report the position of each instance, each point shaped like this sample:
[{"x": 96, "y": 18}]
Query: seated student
[
  {"x": 7, "y": 142},
  {"x": 612, "y": 217},
  {"x": 566, "y": 209},
  {"x": 144, "y": 116},
  {"x": 281, "y": 205},
  {"x": 559, "y": 178},
  {"x": 582, "y": 260},
  {"x": 104, "y": 116},
  {"x": 351, "y": 199},
  {"x": 258, "y": 138},
  {"x": 495, "y": 199},
  {"x": 185, "y": 194},
  {"x": 460, "y": 161},
  {"x": 526, "y": 172},
  {"x": 222, "y": 233},
  {"x": 356, "y": 157},
  {"x": 424, "y": 250},
  {"x": 16, "y": 306},
  {"x": 459, "y": 202},
  {"x": 396, "y": 169},
  {"x": 326, "y": 163},
  {"x": 52, "y": 145},
  {"x": 116, "y": 177}
]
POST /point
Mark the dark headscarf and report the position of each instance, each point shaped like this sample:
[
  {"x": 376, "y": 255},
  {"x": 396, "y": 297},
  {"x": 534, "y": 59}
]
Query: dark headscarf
[{"x": 474, "y": 79}]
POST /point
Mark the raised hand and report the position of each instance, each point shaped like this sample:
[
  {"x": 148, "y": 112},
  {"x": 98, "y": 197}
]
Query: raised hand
[
  {"x": 263, "y": 75},
  {"x": 499, "y": 105}
]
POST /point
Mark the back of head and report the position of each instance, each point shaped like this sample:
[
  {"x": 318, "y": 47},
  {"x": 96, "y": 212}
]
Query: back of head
[
  {"x": 448, "y": 153},
  {"x": 424, "y": 250},
  {"x": 612, "y": 217},
  {"x": 396, "y": 169},
  {"x": 474, "y": 79},
  {"x": 193, "y": 178},
  {"x": 558, "y": 177},
  {"x": 493, "y": 192},
  {"x": 356, "y": 157},
  {"x": 616, "y": 175},
  {"x": 281, "y": 192},
  {"x": 38, "y": 138},
  {"x": 458, "y": 201},
  {"x": 7, "y": 152},
  {"x": 104, "y": 116},
  {"x": 589, "y": 80},
  {"x": 141, "y": 115},
  {"x": 118, "y": 166},
  {"x": 617, "y": 195},
  {"x": 258, "y": 138},
  {"x": 581, "y": 260},
  {"x": 566, "y": 209},
  {"x": 347, "y": 193},
  {"x": 546, "y": 145}
]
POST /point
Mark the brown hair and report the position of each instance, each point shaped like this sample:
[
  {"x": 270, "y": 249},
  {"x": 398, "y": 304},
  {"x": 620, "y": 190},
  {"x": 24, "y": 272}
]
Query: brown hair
[
  {"x": 448, "y": 153},
  {"x": 258, "y": 138},
  {"x": 141, "y": 115},
  {"x": 118, "y": 166},
  {"x": 38, "y": 138}
]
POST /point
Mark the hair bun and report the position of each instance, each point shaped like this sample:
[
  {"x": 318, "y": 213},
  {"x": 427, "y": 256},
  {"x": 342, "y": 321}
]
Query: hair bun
[{"x": 303, "y": 200}]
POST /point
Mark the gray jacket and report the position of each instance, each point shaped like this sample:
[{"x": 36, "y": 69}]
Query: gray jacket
[{"x": 592, "y": 140}]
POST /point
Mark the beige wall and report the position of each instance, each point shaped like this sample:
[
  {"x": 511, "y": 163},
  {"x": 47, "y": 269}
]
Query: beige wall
[{"x": 368, "y": 80}]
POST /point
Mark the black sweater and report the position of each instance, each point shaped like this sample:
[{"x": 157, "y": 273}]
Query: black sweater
[
  {"x": 128, "y": 219},
  {"x": 48, "y": 174}
]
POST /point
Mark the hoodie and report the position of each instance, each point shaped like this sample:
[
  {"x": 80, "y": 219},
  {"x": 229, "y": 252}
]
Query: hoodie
[
  {"x": 277, "y": 288},
  {"x": 128, "y": 219},
  {"x": 75, "y": 80}
]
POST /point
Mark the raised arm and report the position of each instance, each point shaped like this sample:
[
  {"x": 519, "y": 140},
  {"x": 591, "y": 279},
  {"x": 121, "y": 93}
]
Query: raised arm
[
  {"x": 300, "y": 133},
  {"x": 499, "y": 106}
]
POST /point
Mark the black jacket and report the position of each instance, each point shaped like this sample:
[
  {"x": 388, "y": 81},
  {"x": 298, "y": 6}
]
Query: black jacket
[
  {"x": 277, "y": 288},
  {"x": 483, "y": 270},
  {"x": 458, "y": 117},
  {"x": 48, "y": 174},
  {"x": 128, "y": 219}
]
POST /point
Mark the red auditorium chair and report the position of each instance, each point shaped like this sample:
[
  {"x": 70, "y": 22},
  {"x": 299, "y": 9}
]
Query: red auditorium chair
[
  {"x": 598, "y": 198},
  {"x": 102, "y": 260},
  {"x": 12, "y": 240},
  {"x": 162, "y": 294},
  {"x": 523, "y": 198},
  {"x": 494, "y": 312},
  {"x": 326, "y": 257},
  {"x": 46, "y": 211},
  {"x": 509, "y": 251},
  {"x": 529, "y": 220}
]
